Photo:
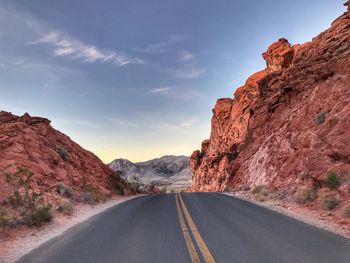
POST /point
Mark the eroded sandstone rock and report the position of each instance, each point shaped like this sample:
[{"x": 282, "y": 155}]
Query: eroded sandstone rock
[
  {"x": 270, "y": 133},
  {"x": 279, "y": 55},
  {"x": 31, "y": 142}
]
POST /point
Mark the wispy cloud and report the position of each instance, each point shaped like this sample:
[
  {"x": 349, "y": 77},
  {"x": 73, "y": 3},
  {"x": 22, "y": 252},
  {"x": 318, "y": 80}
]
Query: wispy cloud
[
  {"x": 188, "y": 71},
  {"x": 176, "y": 92},
  {"x": 178, "y": 38},
  {"x": 161, "y": 90},
  {"x": 186, "y": 55},
  {"x": 122, "y": 123},
  {"x": 66, "y": 46},
  {"x": 190, "y": 68},
  {"x": 184, "y": 127},
  {"x": 190, "y": 122},
  {"x": 187, "y": 67},
  {"x": 164, "y": 46}
]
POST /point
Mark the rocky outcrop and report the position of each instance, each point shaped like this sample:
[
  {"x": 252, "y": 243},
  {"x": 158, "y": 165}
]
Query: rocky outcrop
[
  {"x": 57, "y": 162},
  {"x": 288, "y": 126},
  {"x": 279, "y": 55}
]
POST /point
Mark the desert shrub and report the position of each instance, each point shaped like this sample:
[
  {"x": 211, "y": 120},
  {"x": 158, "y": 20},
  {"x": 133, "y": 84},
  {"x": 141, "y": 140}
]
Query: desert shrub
[
  {"x": 64, "y": 190},
  {"x": 259, "y": 189},
  {"x": 229, "y": 188},
  {"x": 41, "y": 215},
  {"x": 62, "y": 151},
  {"x": 89, "y": 197},
  {"x": 245, "y": 188},
  {"x": 261, "y": 193},
  {"x": 20, "y": 183},
  {"x": 20, "y": 186},
  {"x": 320, "y": 118},
  {"x": 119, "y": 184},
  {"x": 303, "y": 176},
  {"x": 4, "y": 220},
  {"x": 346, "y": 211},
  {"x": 305, "y": 195},
  {"x": 333, "y": 180},
  {"x": 136, "y": 186},
  {"x": 329, "y": 202},
  {"x": 30, "y": 203},
  {"x": 66, "y": 208},
  {"x": 122, "y": 187}
]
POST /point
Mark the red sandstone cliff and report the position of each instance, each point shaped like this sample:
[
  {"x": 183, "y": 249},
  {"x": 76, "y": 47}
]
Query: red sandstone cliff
[
  {"x": 53, "y": 157},
  {"x": 289, "y": 125}
]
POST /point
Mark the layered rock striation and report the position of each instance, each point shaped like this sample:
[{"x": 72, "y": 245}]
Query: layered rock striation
[{"x": 289, "y": 125}]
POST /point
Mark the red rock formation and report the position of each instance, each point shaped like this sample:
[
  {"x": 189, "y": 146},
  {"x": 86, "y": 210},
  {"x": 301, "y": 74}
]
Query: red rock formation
[
  {"x": 54, "y": 158},
  {"x": 289, "y": 125},
  {"x": 279, "y": 55}
]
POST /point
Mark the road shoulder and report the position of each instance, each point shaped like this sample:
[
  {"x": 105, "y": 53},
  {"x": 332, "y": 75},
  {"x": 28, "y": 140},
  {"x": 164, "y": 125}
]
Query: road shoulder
[
  {"x": 320, "y": 220},
  {"x": 21, "y": 242}
]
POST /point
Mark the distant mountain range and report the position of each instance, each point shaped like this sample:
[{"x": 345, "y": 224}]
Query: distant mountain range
[{"x": 170, "y": 171}]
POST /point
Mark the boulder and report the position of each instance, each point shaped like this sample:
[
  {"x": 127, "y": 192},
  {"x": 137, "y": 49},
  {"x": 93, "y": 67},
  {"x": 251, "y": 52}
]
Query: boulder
[{"x": 279, "y": 55}]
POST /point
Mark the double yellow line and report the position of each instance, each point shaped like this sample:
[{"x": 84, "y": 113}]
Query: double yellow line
[{"x": 208, "y": 257}]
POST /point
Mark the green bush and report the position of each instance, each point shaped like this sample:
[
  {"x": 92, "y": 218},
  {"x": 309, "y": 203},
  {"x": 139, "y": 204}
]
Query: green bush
[
  {"x": 41, "y": 215},
  {"x": 320, "y": 118},
  {"x": 66, "y": 208},
  {"x": 333, "y": 180},
  {"x": 306, "y": 195},
  {"x": 329, "y": 202}
]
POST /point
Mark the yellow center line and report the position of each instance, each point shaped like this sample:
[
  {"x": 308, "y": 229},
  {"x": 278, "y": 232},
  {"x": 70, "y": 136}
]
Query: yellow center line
[
  {"x": 208, "y": 257},
  {"x": 189, "y": 243}
]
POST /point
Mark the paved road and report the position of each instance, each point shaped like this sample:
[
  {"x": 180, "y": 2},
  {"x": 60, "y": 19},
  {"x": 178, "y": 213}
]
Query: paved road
[{"x": 195, "y": 228}]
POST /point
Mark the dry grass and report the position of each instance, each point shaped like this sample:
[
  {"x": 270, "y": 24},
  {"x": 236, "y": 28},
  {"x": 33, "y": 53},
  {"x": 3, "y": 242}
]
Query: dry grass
[
  {"x": 66, "y": 208},
  {"x": 346, "y": 211},
  {"x": 329, "y": 202},
  {"x": 306, "y": 194},
  {"x": 261, "y": 193}
]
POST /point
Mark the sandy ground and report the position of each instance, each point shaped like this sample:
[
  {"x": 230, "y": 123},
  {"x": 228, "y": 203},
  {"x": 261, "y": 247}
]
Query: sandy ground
[
  {"x": 19, "y": 242},
  {"x": 321, "y": 219}
]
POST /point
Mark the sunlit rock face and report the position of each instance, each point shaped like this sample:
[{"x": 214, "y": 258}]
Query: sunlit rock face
[
  {"x": 279, "y": 55},
  {"x": 53, "y": 157},
  {"x": 289, "y": 125}
]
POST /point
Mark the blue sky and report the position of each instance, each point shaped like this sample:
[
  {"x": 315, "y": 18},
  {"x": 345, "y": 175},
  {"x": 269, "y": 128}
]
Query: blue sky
[{"x": 138, "y": 79}]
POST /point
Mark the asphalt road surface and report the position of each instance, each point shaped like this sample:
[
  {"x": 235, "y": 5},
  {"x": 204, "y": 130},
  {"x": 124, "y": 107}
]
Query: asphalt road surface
[{"x": 196, "y": 227}]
